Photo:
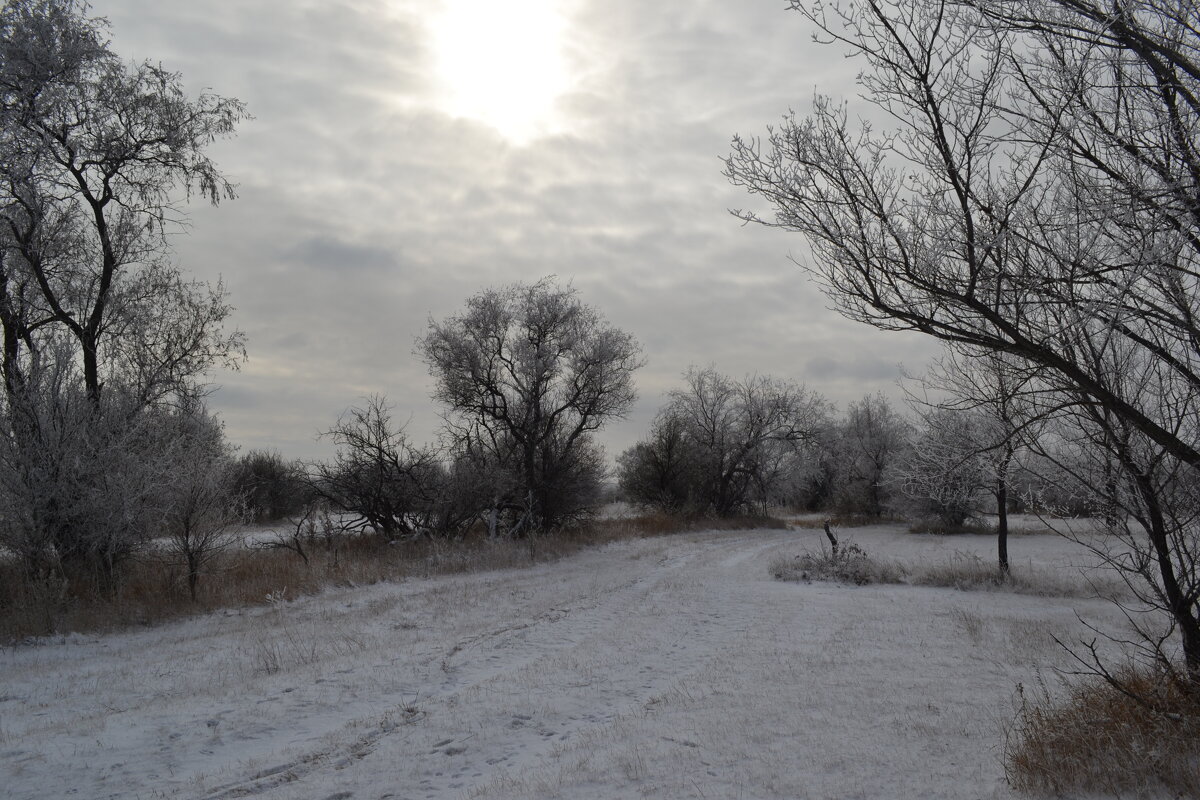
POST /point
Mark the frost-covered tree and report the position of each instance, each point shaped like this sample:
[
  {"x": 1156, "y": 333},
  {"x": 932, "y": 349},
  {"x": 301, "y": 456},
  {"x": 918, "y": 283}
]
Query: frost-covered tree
[
  {"x": 96, "y": 158},
  {"x": 867, "y": 443},
  {"x": 991, "y": 407},
  {"x": 97, "y": 155},
  {"x": 199, "y": 503},
  {"x": 528, "y": 373},
  {"x": 945, "y": 472}
]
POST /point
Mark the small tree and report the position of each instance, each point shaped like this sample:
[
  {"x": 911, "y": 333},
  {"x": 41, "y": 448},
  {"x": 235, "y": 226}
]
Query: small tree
[
  {"x": 1002, "y": 405},
  {"x": 200, "y": 503},
  {"x": 377, "y": 476},
  {"x": 528, "y": 373}
]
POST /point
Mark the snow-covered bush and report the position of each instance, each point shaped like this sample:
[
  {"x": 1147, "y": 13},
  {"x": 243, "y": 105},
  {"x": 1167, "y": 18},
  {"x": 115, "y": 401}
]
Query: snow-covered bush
[{"x": 849, "y": 563}]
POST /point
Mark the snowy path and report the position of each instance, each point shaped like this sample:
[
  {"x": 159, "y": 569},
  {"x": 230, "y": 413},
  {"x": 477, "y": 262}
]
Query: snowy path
[{"x": 670, "y": 668}]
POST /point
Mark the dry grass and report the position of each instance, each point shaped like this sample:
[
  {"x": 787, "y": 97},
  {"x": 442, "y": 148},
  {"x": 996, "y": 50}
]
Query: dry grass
[
  {"x": 1098, "y": 739},
  {"x": 153, "y": 590},
  {"x": 967, "y": 572},
  {"x": 938, "y": 527},
  {"x": 964, "y": 572}
]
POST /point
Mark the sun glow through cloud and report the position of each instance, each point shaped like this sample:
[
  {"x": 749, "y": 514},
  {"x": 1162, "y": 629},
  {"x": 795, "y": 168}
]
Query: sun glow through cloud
[{"x": 502, "y": 63}]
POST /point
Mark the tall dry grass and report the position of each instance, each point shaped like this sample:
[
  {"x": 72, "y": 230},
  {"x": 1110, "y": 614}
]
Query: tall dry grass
[
  {"x": 153, "y": 589},
  {"x": 1099, "y": 739}
]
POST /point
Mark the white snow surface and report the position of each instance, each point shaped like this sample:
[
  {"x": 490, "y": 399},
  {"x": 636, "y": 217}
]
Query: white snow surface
[{"x": 673, "y": 667}]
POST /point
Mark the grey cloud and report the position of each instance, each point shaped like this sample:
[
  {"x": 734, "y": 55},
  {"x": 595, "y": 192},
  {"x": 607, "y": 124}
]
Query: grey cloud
[
  {"x": 325, "y": 252},
  {"x": 363, "y": 211}
]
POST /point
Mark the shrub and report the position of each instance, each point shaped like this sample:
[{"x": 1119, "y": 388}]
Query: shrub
[{"x": 848, "y": 564}]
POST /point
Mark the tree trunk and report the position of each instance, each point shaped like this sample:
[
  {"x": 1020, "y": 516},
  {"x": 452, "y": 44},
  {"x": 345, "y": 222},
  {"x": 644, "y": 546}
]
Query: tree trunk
[
  {"x": 1182, "y": 612},
  {"x": 1002, "y": 526},
  {"x": 193, "y": 576}
]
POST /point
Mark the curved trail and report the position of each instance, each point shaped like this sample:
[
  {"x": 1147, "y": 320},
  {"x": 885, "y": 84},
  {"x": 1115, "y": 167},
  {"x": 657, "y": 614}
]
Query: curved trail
[{"x": 670, "y": 667}]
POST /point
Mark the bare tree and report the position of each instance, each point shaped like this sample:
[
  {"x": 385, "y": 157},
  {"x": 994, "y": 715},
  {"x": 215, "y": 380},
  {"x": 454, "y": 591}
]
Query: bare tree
[
  {"x": 944, "y": 473},
  {"x": 96, "y": 153},
  {"x": 1002, "y": 409},
  {"x": 528, "y": 373},
  {"x": 377, "y": 476},
  {"x": 721, "y": 445},
  {"x": 199, "y": 503},
  {"x": 1151, "y": 514}
]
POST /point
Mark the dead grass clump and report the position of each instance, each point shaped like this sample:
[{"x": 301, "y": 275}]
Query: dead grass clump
[
  {"x": 850, "y": 564},
  {"x": 967, "y": 572},
  {"x": 1100, "y": 739}
]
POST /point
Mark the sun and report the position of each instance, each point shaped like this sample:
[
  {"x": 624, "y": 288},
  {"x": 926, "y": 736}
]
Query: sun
[{"x": 502, "y": 63}]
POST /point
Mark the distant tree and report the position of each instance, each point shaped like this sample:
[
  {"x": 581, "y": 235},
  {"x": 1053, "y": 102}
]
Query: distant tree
[
  {"x": 272, "y": 487},
  {"x": 722, "y": 446},
  {"x": 945, "y": 472},
  {"x": 660, "y": 471},
  {"x": 527, "y": 374},
  {"x": 1001, "y": 408},
  {"x": 867, "y": 443}
]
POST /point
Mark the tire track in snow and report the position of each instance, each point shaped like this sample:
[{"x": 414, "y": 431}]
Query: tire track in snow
[{"x": 590, "y": 659}]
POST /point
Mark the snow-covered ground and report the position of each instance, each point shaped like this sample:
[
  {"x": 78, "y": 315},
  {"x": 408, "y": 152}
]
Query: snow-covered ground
[{"x": 672, "y": 667}]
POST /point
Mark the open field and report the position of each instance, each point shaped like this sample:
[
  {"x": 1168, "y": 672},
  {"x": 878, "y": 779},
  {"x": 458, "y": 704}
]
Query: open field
[{"x": 671, "y": 667}]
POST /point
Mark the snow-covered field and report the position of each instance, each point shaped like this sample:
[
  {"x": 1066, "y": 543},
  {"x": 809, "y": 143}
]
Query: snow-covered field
[{"x": 672, "y": 667}]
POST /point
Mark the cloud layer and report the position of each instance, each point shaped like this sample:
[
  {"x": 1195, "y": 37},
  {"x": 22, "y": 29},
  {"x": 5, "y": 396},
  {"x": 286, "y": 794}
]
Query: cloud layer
[{"x": 363, "y": 210}]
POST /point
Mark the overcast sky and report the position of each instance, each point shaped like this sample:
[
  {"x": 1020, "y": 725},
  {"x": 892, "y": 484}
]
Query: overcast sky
[{"x": 407, "y": 153}]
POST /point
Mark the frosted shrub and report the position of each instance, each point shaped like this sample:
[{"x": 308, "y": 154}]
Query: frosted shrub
[{"x": 848, "y": 564}]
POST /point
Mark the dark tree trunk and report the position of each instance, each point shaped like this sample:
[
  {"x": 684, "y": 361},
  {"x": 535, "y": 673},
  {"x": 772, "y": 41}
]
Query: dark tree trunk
[
  {"x": 193, "y": 576},
  {"x": 1182, "y": 611},
  {"x": 1002, "y": 526}
]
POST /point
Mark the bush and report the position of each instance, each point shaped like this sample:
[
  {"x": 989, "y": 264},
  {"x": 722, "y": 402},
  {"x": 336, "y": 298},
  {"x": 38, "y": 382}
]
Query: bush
[
  {"x": 849, "y": 564},
  {"x": 1101, "y": 739}
]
